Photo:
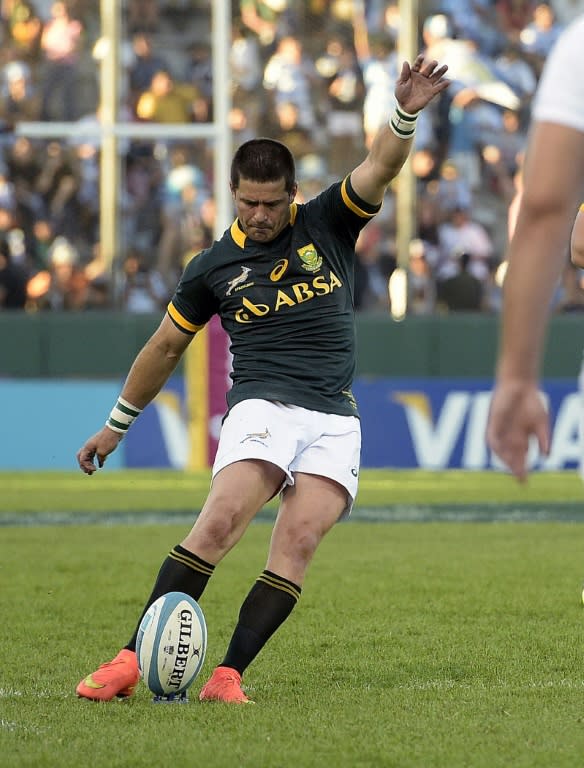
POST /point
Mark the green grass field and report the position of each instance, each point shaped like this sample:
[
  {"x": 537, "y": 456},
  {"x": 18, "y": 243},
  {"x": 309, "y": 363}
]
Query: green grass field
[{"x": 438, "y": 644}]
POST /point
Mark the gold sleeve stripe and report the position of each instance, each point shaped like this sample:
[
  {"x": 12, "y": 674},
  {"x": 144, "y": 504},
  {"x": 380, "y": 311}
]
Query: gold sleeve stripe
[
  {"x": 284, "y": 586},
  {"x": 194, "y": 566},
  {"x": 581, "y": 207},
  {"x": 353, "y": 206},
  {"x": 181, "y": 321}
]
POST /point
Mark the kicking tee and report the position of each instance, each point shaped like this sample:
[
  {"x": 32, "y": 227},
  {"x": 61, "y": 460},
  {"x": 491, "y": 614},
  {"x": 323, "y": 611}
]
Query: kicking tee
[{"x": 286, "y": 305}]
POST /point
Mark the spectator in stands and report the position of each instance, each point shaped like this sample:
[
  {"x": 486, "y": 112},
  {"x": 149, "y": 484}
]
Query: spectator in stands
[
  {"x": 169, "y": 101},
  {"x": 460, "y": 233},
  {"x": 511, "y": 139},
  {"x": 143, "y": 16},
  {"x": 7, "y": 194},
  {"x": 475, "y": 21},
  {"x": 453, "y": 190},
  {"x": 246, "y": 84},
  {"x": 345, "y": 92},
  {"x": 512, "y": 16},
  {"x": 144, "y": 64},
  {"x": 25, "y": 28},
  {"x": 13, "y": 279},
  {"x": 98, "y": 295},
  {"x": 55, "y": 163},
  {"x": 287, "y": 128},
  {"x": 199, "y": 72},
  {"x": 373, "y": 267},
  {"x": 184, "y": 193},
  {"x": 537, "y": 38},
  {"x": 492, "y": 203},
  {"x": 312, "y": 174},
  {"x": 262, "y": 18},
  {"x": 459, "y": 138},
  {"x": 22, "y": 161},
  {"x": 420, "y": 280},
  {"x": 289, "y": 76},
  {"x": 62, "y": 285},
  {"x": 142, "y": 200},
  {"x": 462, "y": 292},
  {"x": 514, "y": 69},
  {"x": 41, "y": 241},
  {"x": 244, "y": 60},
  {"x": 61, "y": 42},
  {"x": 19, "y": 98},
  {"x": 142, "y": 288},
  {"x": 378, "y": 60}
]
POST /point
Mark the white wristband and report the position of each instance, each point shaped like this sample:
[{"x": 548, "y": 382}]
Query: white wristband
[
  {"x": 402, "y": 123},
  {"x": 122, "y": 415}
]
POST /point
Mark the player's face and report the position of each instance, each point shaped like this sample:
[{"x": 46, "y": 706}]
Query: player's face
[{"x": 263, "y": 207}]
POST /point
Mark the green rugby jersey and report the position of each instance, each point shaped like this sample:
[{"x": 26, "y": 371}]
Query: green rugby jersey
[{"x": 287, "y": 305}]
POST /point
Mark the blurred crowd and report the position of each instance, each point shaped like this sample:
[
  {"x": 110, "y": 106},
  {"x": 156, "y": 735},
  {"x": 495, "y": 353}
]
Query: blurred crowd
[{"x": 315, "y": 74}]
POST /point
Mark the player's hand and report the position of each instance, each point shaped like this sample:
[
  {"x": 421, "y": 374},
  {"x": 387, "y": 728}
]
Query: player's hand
[
  {"x": 99, "y": 446},
  {"x": 516, "y": 413},
  {"x": 419, "y": 83}
]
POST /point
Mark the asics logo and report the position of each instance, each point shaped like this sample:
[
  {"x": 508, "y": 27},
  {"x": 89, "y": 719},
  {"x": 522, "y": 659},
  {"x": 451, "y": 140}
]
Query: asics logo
[{"x": 279, "y": 270}]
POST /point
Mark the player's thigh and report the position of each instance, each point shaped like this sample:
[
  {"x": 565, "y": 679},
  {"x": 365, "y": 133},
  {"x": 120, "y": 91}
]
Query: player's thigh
[
  {"x": 243, "y": 487},
  {"x": 238, "y": 492}
]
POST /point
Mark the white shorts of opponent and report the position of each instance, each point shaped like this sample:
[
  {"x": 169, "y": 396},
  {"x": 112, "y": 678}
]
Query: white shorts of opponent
[{"x": 295, "y": 439}]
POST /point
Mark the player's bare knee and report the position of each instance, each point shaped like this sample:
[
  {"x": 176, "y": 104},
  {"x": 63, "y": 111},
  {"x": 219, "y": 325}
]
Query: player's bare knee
[
  {"x": 303, "y": 542},
  {"x": 220, "y": 527}
]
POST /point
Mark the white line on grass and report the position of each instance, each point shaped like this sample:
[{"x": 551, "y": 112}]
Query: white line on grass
[{"x": 398, "y": 513}]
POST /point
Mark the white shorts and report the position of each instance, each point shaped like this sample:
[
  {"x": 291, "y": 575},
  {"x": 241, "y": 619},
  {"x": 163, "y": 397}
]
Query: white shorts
[{"x": 295, "y": 439}]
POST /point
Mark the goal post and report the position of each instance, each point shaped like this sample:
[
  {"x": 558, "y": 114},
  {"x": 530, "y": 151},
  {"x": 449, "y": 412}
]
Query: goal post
[{"x": 108, "y": 130}]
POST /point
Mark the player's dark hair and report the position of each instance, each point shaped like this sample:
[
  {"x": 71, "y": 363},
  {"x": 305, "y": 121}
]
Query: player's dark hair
[{"x": 263, "y": 160}]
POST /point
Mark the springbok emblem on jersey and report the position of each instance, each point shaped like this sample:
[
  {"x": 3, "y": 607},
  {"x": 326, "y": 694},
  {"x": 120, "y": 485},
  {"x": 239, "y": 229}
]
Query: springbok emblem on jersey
[
  {"x": 309, "y": 257},
  {"x": 237, "y": 280}
]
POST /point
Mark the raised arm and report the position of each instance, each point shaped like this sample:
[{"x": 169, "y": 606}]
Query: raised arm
[{"x": 416, "y": 87}]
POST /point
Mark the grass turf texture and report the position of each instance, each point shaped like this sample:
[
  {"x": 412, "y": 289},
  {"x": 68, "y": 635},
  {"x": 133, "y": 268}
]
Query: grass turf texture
[
  {"x": 440, "y": 645},
  {"x": 72, "y": 494}
]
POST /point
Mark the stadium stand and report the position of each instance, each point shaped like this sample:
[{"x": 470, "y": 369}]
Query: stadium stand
[{"x": 317, "y": 75}]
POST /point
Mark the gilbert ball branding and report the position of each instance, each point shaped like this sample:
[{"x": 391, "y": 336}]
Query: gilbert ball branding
[{"x": 171, "y": 644}]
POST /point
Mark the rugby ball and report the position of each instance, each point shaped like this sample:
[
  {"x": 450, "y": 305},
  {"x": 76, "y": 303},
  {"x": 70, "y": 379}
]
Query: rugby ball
[{"x": 171, "y": 643}]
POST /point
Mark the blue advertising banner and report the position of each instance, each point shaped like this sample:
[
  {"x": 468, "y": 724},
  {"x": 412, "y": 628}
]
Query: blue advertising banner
[
  {"x": 406, "y": 423},
  {"x": 44, "y": 423},
  {"x": 159, "y": 438},
  {"x": 441, "y": 423}
]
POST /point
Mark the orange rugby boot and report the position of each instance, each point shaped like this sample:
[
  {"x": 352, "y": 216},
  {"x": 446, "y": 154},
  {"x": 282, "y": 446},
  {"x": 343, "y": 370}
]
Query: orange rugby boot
[
  {"x": 224, "y": 685},
  {"x": 118, "y": 677}
]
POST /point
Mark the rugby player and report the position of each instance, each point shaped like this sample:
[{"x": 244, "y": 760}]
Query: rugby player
[{"x": 281, "y": 280}]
